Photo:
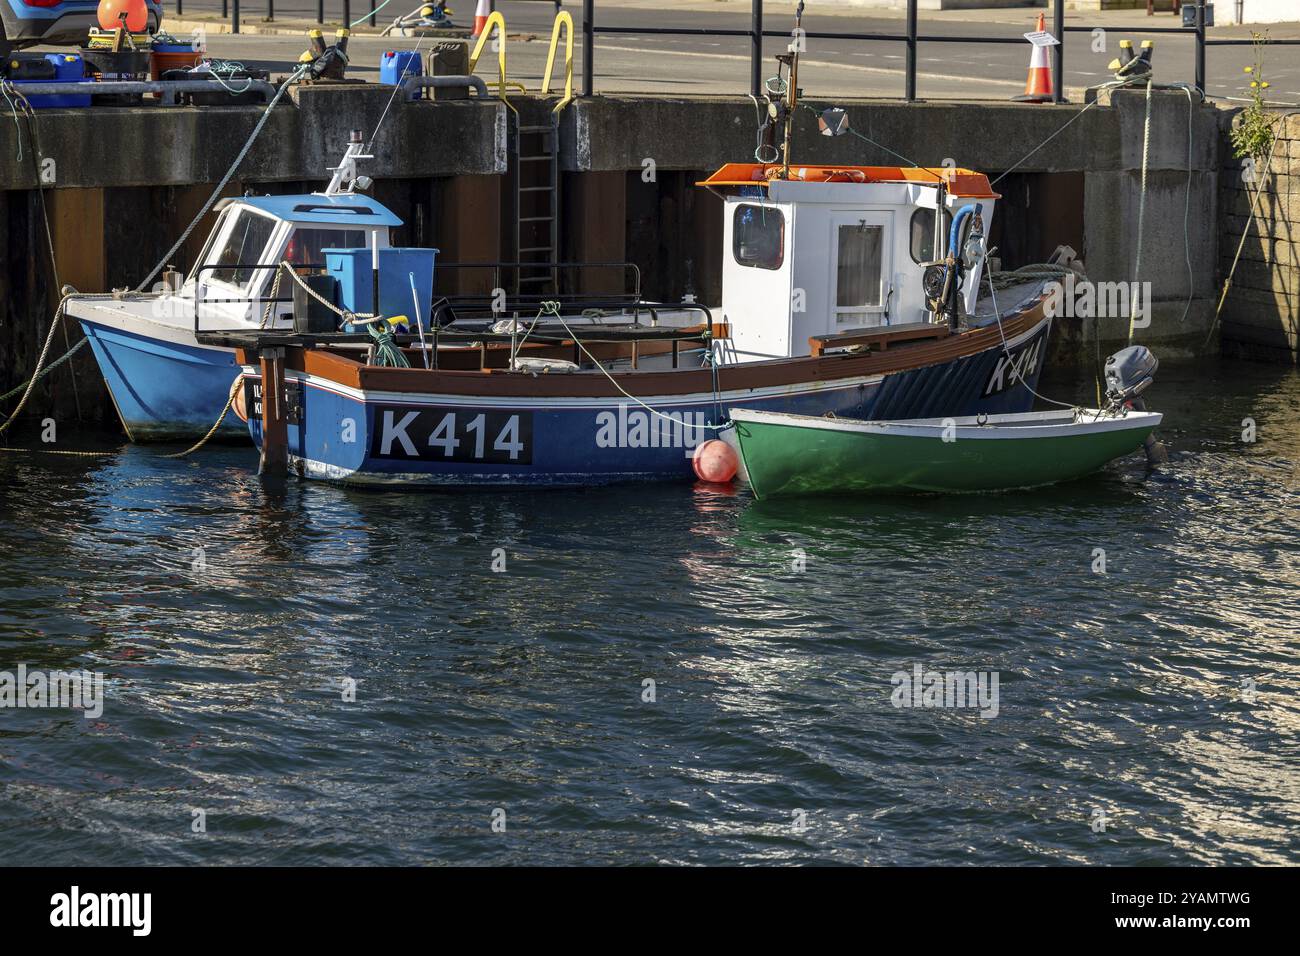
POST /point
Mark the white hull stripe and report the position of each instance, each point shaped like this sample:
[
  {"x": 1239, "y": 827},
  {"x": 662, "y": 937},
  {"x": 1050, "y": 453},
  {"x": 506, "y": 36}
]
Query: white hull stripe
[{"x": 532, "y": 403}]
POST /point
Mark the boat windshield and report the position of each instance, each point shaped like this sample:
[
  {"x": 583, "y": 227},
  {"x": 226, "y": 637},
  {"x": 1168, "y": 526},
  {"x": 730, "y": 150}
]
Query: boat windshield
[
  {"x": 243, "y": 247},
  {"x": 307, "y": 246}
]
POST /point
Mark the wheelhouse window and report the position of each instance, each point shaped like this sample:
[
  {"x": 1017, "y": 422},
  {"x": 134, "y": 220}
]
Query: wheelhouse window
[
  {"x": 307, "y": 246},
  {"x": 922, "y": 234},
  {"x": 205, "y": 257},
  {"x": 244, "y": 246},
  {"x": 858, "y": 275},
  {"x": 758, "y": 236}
]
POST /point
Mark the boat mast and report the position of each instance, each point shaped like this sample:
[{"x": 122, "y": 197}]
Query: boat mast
[{"x": 792, "y": 92}]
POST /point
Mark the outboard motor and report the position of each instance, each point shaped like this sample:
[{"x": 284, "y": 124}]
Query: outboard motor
[{"x": 1129, "y": 372}]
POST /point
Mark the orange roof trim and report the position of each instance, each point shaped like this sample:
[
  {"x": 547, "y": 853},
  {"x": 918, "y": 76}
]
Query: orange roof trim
[{"x": 962, "y": 183}]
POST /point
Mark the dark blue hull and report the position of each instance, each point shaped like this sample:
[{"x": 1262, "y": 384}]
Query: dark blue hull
[{"x": 338, "y": 433}]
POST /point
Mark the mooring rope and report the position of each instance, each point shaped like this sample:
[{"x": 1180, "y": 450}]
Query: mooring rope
[
  {"x": 234, "y": 389},
  {"x": 1245, "y": 230},
  {"x": 40, "y": 362},
  {"x": 261, "y": 122},
  {"x": 1142, "y": 212},
  {"x": 45, "y": 371},
  {"x": 1006, "y": 350},
  {"x": 350, "y": 318},
  {"x": 37, "y": 154},
  {"x": 553, "y": 308},
  {"x": 55, "y": 451}
]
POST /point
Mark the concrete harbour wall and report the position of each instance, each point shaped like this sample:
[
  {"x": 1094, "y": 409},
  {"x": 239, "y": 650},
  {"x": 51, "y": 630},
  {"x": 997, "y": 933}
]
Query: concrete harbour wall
[
  {"x": 1261, "y": 218},
  {"x": 127, "y": 181}
]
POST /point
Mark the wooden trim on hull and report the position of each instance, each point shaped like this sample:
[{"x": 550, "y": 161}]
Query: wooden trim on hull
[{"x": 499, "y": 383}]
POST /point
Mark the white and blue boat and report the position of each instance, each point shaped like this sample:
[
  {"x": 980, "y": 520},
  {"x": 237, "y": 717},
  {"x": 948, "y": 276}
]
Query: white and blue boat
[{"x": 165, "y": 384}]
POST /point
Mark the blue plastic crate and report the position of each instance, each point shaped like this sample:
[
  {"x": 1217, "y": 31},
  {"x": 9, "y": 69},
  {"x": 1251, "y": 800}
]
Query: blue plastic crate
[
  {"x": 397, "y": 267},
  {"x": 68, "y": 68},
  {"x": 396, "y": 65}
]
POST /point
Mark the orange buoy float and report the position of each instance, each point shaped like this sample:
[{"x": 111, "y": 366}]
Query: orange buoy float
[
  {"x": 715, "y": 461},
  {"x": 136, "y": 11},
  {"x": 237, "y": 400}
]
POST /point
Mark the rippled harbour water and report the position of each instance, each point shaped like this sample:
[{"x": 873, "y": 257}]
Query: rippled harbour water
[{"x": 1144, "y": 715}]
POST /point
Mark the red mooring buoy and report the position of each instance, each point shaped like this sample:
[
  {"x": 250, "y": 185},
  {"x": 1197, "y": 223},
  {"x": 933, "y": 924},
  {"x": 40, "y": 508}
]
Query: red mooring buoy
[
  {"x": 715, "y": 461},
  {"x": 110, "y": 15}
]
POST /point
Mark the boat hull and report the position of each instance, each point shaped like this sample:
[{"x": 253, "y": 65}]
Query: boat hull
[
  {"x": 549, "y": 433},
  {"x": 786, "y": 456},
  {"x": 163, "y": 389}
]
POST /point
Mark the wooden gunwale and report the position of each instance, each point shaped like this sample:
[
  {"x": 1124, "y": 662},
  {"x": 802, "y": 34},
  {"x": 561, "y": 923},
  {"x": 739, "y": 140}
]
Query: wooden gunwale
[{"x": 593, "y": 384}]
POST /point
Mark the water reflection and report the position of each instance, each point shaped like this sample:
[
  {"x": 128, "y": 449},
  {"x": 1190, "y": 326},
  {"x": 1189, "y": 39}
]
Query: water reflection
[{"x": 769, "y": 630}]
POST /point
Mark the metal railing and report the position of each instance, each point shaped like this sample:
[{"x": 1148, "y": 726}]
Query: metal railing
[
  {"x": 230, "y": 10},
  {"x": 912, "y": 38}
]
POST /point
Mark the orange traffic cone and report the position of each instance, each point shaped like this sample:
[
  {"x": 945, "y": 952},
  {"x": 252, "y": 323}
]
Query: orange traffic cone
[
  {"x": 481, "y": 14},
  {"x": 1038, "y": 88}
]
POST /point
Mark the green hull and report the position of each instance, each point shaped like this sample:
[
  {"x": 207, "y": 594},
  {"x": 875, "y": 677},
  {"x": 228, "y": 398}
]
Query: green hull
[{"x": 795, "y": 455}]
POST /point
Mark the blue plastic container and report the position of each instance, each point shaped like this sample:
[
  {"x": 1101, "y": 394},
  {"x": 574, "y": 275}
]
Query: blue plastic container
[
  {"x": 352, "y": 268},
  {"x": 396, "y": 65},
  {"x": 68, "y": 68}
]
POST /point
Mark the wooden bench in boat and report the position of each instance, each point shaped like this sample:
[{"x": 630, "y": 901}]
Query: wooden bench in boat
[{"x": 877, "y": 338}]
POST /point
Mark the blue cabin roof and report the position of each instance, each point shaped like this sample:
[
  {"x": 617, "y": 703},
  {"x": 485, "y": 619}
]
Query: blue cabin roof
[{"x": 351, "y": 210}]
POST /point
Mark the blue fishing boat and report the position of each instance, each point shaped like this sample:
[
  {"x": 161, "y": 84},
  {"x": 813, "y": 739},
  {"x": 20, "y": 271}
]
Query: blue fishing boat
[
  {"x": 599, "y": 421},
  {"x": 165, "y": 384}
]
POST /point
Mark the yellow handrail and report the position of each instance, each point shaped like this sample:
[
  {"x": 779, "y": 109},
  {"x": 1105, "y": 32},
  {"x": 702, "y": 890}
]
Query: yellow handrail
[
  {"x": 497, "y": 20},
  {"x": 561, "y": 19}
]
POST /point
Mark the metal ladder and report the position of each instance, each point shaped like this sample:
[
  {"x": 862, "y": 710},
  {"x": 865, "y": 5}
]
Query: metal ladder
[{"x": 537, "y": 206}]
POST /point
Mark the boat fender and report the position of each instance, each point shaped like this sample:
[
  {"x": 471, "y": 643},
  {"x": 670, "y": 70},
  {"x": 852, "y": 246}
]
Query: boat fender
[
  {"x": 715, "y": 461},
  {"x": 535, "y": 364},
  {"x": 237, "y": 404}
]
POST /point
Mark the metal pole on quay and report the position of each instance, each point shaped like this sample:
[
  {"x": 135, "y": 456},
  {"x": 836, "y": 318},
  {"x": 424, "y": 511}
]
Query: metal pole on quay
[
  {"x": 1058, "y": 51},
  {"x": 588, "y": 46},
  {"x": 270, "y": 11},
  {"x": 320, "y": 11},
  {"x": 910, "y": 91},
  {"x": 234, "y": 18},
  {"x": 1200, "y": 47},
  {"x": 756, "y": 47}
]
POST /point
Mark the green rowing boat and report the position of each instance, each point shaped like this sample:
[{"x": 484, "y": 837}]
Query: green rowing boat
[{"x": 804, "y": 455}]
